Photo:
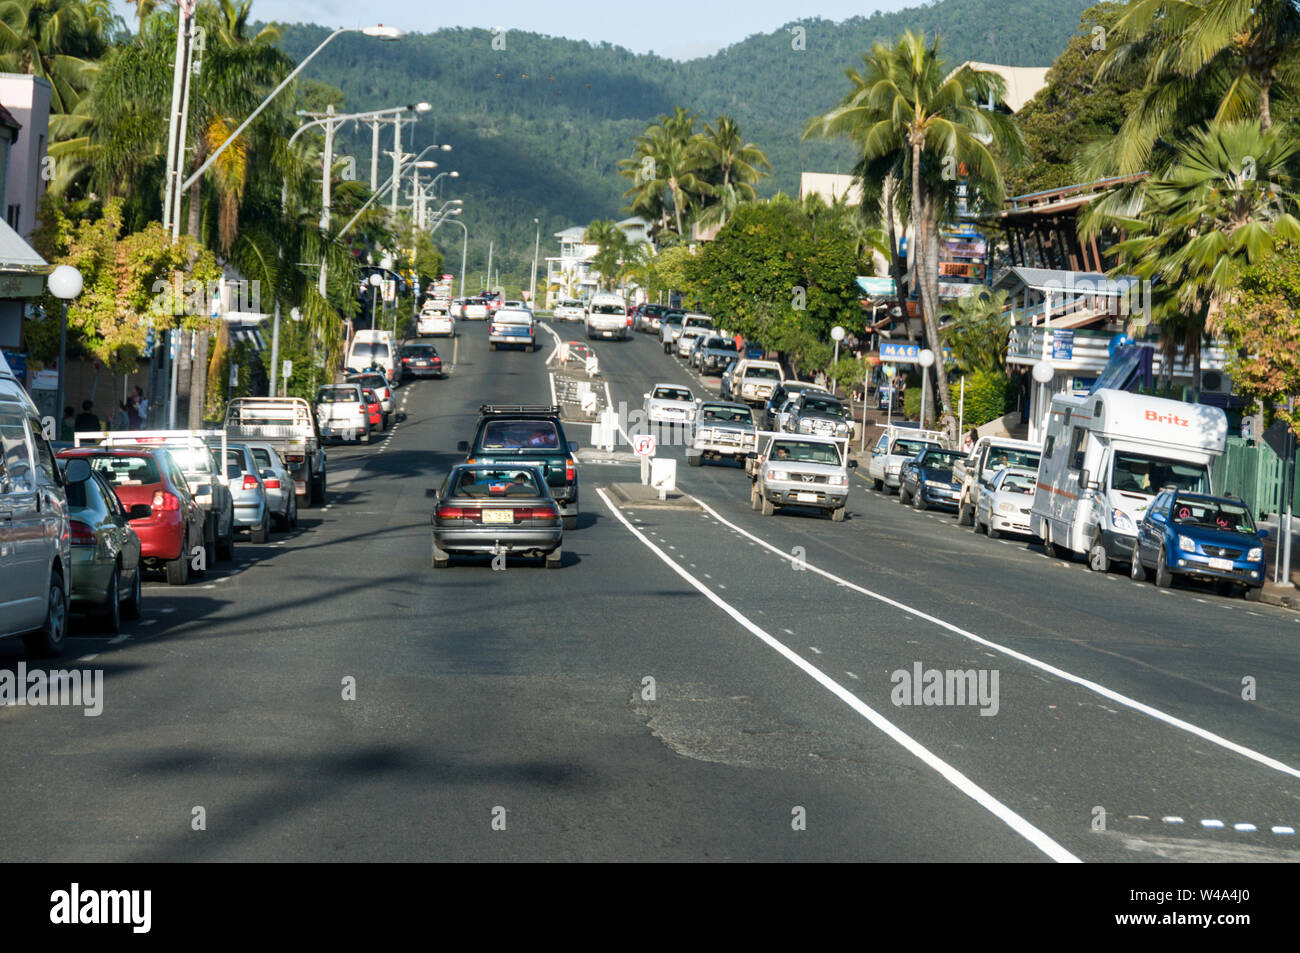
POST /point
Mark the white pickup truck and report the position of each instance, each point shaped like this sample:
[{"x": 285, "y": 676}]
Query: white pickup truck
[
  {"x": 757, "y": 380},
  {"x": 895, "y": 446},
  {"x": 980, "y": 466},
  {"x": 607, "y": 317}
]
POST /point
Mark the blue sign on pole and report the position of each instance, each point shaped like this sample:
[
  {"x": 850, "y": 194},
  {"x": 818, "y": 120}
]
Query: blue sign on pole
[
  {"x": 1062, "y": 345},
  {"x": 900, "y": 353}
]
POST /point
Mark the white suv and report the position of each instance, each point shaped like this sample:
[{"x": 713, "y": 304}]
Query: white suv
[{"x": 35, "y": 547}]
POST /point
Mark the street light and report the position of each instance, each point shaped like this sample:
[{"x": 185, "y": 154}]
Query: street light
[
  {"x": 927, "y": 361},
  {"x": 537, "y": 244},
  {"x": 837, "y": 335},
  {"x": 1043, "y": 375},
  {"x": 65, "y": 283},
  {"x": 464, "y": 246}
]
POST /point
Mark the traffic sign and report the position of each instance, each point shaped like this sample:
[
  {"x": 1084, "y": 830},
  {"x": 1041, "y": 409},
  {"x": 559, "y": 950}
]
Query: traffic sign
[{"x": 644, "y": 445}]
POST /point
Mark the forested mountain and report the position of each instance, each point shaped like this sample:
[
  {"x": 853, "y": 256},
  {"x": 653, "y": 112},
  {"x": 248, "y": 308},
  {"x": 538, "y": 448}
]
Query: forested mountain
[{"x": 537, "y": 123}]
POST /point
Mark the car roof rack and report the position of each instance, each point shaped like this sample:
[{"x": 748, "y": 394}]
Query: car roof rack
[{"x": 550, "y": 409}]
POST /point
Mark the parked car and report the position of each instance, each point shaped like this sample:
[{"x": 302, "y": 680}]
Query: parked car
[
  {"x": 514, "y": 434},
  {"x": 753, "y": 381},
  {"x": 721, "y": 429},
  {"x": 781, "y": 393},
  {"x": 818, "y": 413},
  {"x": 981, "y": 465},
  {"x": 686, "y": 341},
  {"x": 277, "y": 481},
  {"x": 379, "y": 385},
  {"x": 647, "y": 318},
  {"x": 669, "y": 404},
  {"x": 725, "y": 381},
  {"x": 252, "y": 511},
  {"x": 421, "y": 360},
  {"x": 1005, "y": 501},
  {"x": 802, "y": 471},
  {"x": 341, "y": 413},
  {"x": 290, "y": 425},
  {"x": 895, "y": 446},
  {"x": 457, "y": 309},
  {"x": 162, "y": 511},
  {"x": 569, "y": 309},
  {"x": 1205, "y": 537},
  {"x": 511, "y": 326},
  {"x": 490, "y": 509},
  {"x": 105, "y": 549},
  {"x": 372, "y": 349},
  {"x": 926, "y": 480}
]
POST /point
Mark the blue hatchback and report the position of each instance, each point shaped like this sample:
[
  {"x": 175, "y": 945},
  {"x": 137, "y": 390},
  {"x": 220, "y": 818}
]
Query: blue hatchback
[{"x": 1201, "y": 536}]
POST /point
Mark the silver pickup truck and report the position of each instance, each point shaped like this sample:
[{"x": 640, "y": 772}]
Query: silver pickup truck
[
  {"x": 802, "y": 471},
  {"x": 757, "y": 381},
  {"x": 981, "y": 465},
  {"x": 722, "y": 429},
  {"x": 895, "y": 446},
  {"x": 289, "y": 425}
]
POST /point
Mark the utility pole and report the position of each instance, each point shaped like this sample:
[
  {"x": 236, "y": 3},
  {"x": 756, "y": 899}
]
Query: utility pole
[{"x": 489, "y": 268}]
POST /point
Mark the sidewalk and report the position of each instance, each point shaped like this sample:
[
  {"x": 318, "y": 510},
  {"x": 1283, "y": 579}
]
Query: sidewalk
[{"x": 1280, "y": 595}]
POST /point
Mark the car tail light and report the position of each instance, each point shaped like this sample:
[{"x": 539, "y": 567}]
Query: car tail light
[
  {"x": 629, "y": 322},
  {"x": 547, "y": 512},
  {"x": 272, "y": 483},
  {"x": 250, "y": 482},
  {"x": 167, "y": 502},
  {"x": 362, "y": 410},
  {"x": 293, "y": 458},
  {"x": 570, "y": 469},
  {"x": 406, "y": 360},
  {"x": 447, "y": 512},
  {"x": 82, "y": 535}
]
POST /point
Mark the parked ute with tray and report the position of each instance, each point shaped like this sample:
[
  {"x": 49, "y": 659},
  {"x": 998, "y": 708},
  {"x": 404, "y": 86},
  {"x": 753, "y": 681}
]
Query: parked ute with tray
[
  {"x": 976, "y": 471},
  {"x": 802, "y": 470},
  {"x": 524, "y": 435},
  {"x": 895, "y": 447},
  {"x": 289, "y": 425},
  {"x": 341, "y": 413},
  {"x": 722, "y": 429}
]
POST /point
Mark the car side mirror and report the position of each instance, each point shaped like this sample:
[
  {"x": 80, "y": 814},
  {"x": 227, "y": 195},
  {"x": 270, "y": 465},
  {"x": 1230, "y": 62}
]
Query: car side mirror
[
  {"x": 140, "y": 511},
  {"x": 462, "y": 446},
  {"x": 646, "y": 396},
  {"x": 1263, "y": 534},
  {"x": 77, "y": 471},
  {"x": 1084, "y": 481}
]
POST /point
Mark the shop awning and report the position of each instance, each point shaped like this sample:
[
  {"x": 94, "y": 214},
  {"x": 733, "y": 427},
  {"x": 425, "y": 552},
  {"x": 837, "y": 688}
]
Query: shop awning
[{"x": 876, "y": 287}]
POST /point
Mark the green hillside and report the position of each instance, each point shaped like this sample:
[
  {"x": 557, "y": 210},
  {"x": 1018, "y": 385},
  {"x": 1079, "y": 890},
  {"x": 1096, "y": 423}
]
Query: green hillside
[{"x": 538, "y": 126}]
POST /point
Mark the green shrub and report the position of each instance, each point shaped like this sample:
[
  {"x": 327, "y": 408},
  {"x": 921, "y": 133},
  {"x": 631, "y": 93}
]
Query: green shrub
[{"x": 989, "y": 394}]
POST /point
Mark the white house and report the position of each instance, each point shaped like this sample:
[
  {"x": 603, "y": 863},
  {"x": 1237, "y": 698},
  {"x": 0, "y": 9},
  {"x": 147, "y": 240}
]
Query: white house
[{"x": 570, "y": 273}]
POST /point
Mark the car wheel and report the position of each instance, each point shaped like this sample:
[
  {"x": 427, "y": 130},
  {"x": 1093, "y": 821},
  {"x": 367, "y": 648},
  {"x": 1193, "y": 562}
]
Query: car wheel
[
  {"x": 903, "y": 496},
  {"x": 492, "y": 345},
  {"x": 318, "y": 490},
  {"x": 1252, "y": 593},
  {"x": 292, "y": 522},
  {"x": 110, "y": 613},
  {"x": 263, "y": 529},
  {"x": 131, "y": 608},
  {"x": 441, "y": 557},
  {"x": 1136, "y": 571},
  {"x": 388, "y": 420},
  {"x": 209, "y": 548},
  {"x": 178, "y": 569},
  {"x": 570, "y": 522},
  {"x": 975, "y": 522},
  {"x": 1098, "y": 558},
  {"x": 47, "y": 641},
  {"x": 990, "y": 529},
  {"x": 838, "y": 514},
  {"x": 919, "y": 500},
  {"x": 366, "y": 438},
  {"x": 306, "y": 497},
  {"x": 753, "y": 496},
  {"x": 555, "y": 558},
  {"x": 965, "y": 515},
  {"x": 1164, "y": 578},
  {"x": 768, "y": 507},
  {"x": 695, "y": 461},
  {"x": 878, "y": 485}
]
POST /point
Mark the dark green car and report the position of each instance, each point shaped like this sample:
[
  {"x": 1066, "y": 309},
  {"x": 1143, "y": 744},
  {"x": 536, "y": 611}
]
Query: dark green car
[
  {"x": 522, "y": 434},
  {"x": 105, "y": 549}
]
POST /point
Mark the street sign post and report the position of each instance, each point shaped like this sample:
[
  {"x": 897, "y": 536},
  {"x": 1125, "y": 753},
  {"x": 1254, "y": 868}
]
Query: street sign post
[{"x": 644, "y": 447}]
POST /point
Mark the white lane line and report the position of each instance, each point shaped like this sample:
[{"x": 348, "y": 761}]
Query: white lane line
[
  {"x": 851, "y": 675},
  {"x": 89, "y": 658},
  {"x": 954, "y": 777},
  {"x": 119, "y": 639},
  {"x": 1047, "y": 667},
  {"x": 813, "y": 648},
  {"x": 168, "y": 609},
  {"x": 148, "y": 622}
]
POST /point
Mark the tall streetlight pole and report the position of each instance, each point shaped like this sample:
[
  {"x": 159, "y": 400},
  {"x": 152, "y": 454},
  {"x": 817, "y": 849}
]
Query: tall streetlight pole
[
  {"x": 464, "y": 247},
  {"x": 532, "y": 283},
  {"x": 65, "y": 283}
]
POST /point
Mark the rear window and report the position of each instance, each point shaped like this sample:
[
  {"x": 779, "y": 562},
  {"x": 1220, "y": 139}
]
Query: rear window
[
  {"x": 419, "y": 350},
  {"x": 263, "y": 457},
  {"x": 193, "y": 460},
  {"x": 697, "y": 323},
  {"x": 608, "y": 309},
  {"x": 513, "y": 317},
  {"x": 235, "y": 461},
  {"x": 910, "y": 448},
  {"x": 500, "y": 482},
  {"x": 127, "y": 471},
  {"x": 365, "y": 350},
  {"x": 520, "y": 435},
  {"x": 337, "y": 395}
]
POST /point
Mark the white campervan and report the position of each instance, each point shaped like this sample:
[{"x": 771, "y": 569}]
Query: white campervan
[
  {"x": 1106, "y": 456},
  {"x": 372, "y": 348}
]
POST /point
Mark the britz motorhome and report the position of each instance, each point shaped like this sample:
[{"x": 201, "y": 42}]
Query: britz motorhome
[{"x": 1105, "y": 457}]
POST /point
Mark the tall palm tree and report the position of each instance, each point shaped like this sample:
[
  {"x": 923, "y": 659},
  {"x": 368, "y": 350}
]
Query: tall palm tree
[
  {"x": 1227, "y": 201},
  {"x": 731, "y": 166},
  {"x": 612, "y": 246},
  {"x": 906, "y": 110},
  {"x": 1205, "y": 59},
  {"x": 666, "y": 170},
  {"x": 57, "y": 40},
  {"x": 977, "y": 329}
]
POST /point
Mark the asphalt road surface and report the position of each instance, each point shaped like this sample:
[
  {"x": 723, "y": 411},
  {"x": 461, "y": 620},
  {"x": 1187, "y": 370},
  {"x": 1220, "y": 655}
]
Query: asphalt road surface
[{"x": 704, "y": 684}]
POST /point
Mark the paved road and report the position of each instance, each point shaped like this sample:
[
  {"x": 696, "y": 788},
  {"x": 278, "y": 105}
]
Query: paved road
[{"x": 772, "y": 644}]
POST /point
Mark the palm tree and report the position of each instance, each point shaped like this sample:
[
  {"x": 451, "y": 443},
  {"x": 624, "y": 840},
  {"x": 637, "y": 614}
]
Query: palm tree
[
  {"x": 665, "y": 167},
  {"x": 731, "y": 167},
  {"x": 57, "y": 40},
  {"x": 977, "y": 329},
  {"x": 613, "y": 247},
  {"x": 1227, "y": 201},
  {"x": 1205, "y": 59},
  {"x": 906, "y": 111}
]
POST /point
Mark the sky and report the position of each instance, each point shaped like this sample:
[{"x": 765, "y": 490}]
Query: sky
[{"x": 679, "y": 29}]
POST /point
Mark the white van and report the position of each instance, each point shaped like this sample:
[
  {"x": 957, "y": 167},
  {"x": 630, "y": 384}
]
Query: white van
[
  {"x": 607, "y": 316},
  {"x": 35, "y": 541},
  {"x": 372, "y": 348},
  {"x": 1106, "y": 456}
]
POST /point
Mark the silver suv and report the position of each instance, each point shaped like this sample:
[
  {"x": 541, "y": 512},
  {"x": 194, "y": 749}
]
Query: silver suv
[
  {"x": 802, "y": 470},
  {"x": 35, "y": 538}
]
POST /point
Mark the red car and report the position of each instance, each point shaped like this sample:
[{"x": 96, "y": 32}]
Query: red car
[
  {"x": 373, "y": 408},
  {"x": 158, "y": 501}
]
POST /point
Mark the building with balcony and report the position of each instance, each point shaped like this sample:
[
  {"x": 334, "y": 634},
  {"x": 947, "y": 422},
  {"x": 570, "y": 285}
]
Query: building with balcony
[{"x": 570, "y": 273}]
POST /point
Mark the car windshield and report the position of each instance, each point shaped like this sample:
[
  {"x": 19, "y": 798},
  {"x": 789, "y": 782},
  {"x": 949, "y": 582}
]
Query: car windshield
[
  {"x": 127, "y": 471},
  {"x": 570, "y": 303},
  {"x": 654, "y": 310},
  {"x": 520, "y": 435},
  {"x": 337, "y": 395},
  {"x": 1213, "y": 514},
  {"x": 487, "y": 483},
  {"x": 513, "y": 317},
  {"x": 823, "y": 405},
  {"x": 672, "y": 393},
  {"x": 940, "y": 459},
  {"x": 799, "y": 451},
  {"x": 910, "y": 448},
  {"x": 608, "y": 309},
  {"x": 731, "y": 415},
  {"x": 999, "y": 458},
  {"x": 697, "y": 323},
  {"x": 1019, "y": 483},
  {"x": 377, "y": 381},
  {"x": 1139, "y": 473},
  {"x": 721, "y": 344},
  {"x": 763, "y": 373}
]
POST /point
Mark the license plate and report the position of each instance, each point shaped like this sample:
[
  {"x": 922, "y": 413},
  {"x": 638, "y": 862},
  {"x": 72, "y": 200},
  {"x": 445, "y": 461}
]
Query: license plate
[
  {"x": 806, "y": 497},
  {"x": 1224, "y": 564},
  {"x": 498, "y": 516}
]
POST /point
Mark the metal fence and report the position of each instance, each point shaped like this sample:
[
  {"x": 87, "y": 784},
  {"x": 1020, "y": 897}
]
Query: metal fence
[{"x": 1253, "y": 473}]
